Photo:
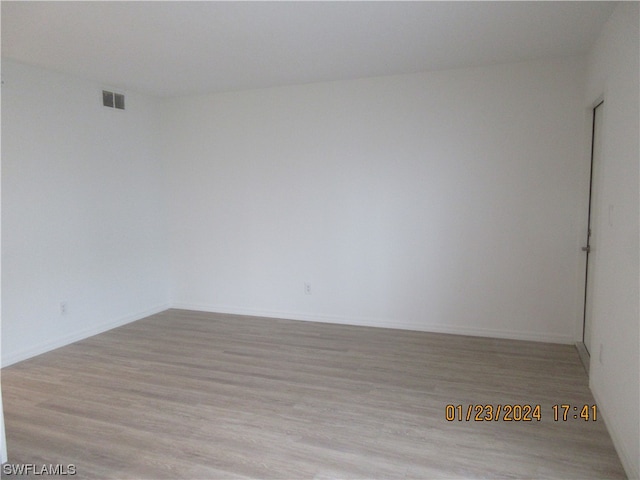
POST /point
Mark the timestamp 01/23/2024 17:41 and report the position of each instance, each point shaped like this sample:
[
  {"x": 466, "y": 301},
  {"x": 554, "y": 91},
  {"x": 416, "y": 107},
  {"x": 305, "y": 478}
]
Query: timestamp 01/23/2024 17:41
[{"x": 561, "y": 412}]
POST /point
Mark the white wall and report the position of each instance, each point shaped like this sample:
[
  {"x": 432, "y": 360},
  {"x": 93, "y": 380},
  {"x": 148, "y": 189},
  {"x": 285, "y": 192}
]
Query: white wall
[
  {"x": 3, "y": 437},
  {"x": 82, "y": 218},
  {"x": 446, "y": 201},
  {"x": 613, "y": 71}
]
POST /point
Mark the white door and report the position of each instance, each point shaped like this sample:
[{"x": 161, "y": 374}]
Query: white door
[{"x": 591, "y": 244}]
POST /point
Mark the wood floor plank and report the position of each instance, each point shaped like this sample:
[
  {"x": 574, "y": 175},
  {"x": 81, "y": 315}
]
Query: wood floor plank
[{"x": 198, "y": 395}]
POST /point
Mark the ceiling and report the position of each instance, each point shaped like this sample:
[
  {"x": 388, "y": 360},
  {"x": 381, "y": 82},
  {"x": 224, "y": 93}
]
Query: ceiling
[{"x": 183, "y": 48}]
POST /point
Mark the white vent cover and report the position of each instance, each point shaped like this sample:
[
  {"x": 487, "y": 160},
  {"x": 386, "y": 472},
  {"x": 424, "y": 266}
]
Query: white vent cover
[{"x": 113, "y": 100}]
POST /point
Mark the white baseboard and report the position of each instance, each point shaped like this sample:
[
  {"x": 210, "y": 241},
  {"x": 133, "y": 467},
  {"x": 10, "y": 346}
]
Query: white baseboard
[
  {"x": 381, "y": 323},
  {"x": 78, "y": 335},
  {"x": 630, "y": 468}
]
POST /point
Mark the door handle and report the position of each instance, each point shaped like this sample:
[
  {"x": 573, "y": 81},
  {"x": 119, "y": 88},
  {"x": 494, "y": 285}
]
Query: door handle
[{"x": 586, "y": 249}]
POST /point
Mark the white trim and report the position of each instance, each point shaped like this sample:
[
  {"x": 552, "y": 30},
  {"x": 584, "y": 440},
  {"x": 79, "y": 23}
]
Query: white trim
[
  {"x": 585, "y": 357},
  {"x": 3, "y": 435},
  {"x": 80, "y": 335},
  {"x": 380, "y": 323},
  {"x": 618, "y": 443}
]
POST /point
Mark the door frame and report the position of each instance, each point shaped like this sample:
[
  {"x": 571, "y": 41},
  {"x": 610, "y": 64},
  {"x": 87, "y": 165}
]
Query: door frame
[{"x": 586, "y": 234}]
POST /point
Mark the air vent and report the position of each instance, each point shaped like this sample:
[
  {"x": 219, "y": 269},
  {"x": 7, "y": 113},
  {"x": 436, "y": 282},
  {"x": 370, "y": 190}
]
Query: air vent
[
  {"x": 113, "y": 100},
  {"x": 107, "y": 98},
  {"x": 119, "y": 98}
]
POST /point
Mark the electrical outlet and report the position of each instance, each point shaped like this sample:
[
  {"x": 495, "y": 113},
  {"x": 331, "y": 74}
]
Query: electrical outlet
[
  {"x": 307, "y": 288},
  {"x": 63, "y": 308}
]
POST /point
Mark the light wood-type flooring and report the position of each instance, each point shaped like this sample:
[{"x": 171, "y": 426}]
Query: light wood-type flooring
[{"x": 209, "y": 396}]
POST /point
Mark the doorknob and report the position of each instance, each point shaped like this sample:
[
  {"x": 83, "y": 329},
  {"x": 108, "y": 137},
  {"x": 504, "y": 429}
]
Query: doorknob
[{"x": 586, "y": 249}]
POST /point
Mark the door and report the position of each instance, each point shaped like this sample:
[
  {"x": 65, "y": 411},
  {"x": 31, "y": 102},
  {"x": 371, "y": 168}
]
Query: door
[{"x": 591, "y": 244}]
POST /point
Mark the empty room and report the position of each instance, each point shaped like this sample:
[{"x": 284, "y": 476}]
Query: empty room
[{"x": 320, "y": 240}]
